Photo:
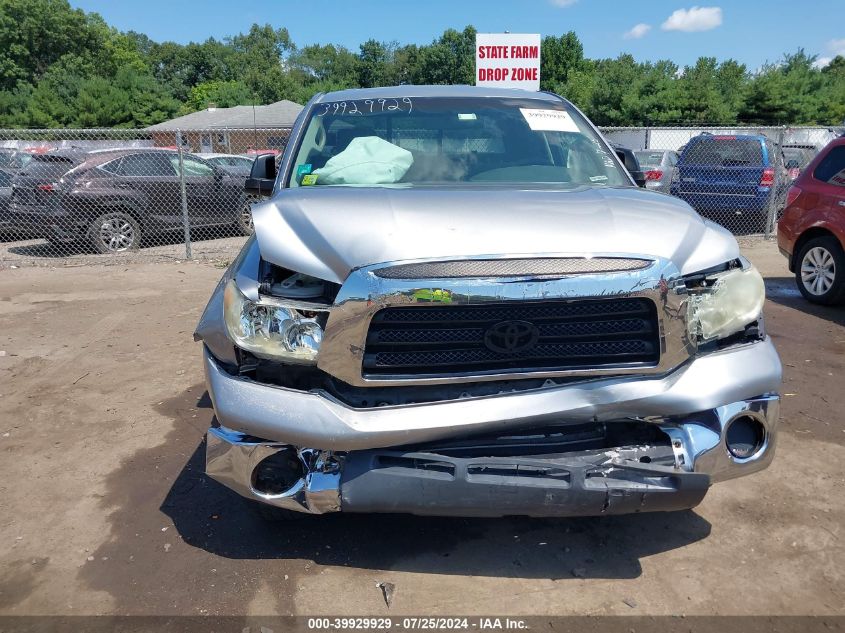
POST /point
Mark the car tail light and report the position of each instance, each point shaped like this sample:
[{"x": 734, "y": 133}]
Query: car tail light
[
  {"x": 653, "y": 174},
  {"x": 768, "y": 177},
  {"x": 792, "y": 195},
  {"x": 47, "y": 186}
]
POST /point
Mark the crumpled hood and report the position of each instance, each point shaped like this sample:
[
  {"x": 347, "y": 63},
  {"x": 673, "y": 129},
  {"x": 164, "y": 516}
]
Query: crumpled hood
[{"x": 328, "y": 232}]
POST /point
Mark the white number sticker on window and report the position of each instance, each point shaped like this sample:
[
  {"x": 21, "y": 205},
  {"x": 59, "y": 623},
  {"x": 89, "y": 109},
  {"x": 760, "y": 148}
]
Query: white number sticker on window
[{"x": 549, "y": 120}]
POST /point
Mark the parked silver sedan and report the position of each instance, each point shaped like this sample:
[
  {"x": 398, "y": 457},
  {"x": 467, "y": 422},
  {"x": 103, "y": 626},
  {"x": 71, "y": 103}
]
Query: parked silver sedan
[{"x": 658, "y": 165}]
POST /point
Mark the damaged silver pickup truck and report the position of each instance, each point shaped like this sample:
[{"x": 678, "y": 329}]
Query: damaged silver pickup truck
[{"x": 457, "y": 302}]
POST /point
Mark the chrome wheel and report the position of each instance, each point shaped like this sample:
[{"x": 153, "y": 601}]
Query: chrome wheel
[
  {"x": 117, "y": 234},
  {"x": 244, "y": 219},
  {"x": 818, "y": 271}
]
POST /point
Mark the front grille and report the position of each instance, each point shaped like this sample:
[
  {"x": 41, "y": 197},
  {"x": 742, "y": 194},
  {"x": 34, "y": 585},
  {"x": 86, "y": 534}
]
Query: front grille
[{"x": 444, "y": 340}]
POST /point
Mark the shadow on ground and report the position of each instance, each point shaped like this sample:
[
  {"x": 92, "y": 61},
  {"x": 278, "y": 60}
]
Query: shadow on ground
[
  {"x": 174, "y": 532},
  {"x": 784, "y": 291},
  {"x": 607, "y": 547}
]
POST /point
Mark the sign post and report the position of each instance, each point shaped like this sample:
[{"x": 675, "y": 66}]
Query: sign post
[{"x": 507, "y": 60}]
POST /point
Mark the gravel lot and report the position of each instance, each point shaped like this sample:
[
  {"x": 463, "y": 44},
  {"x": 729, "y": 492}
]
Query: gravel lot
[{"x": 105, "y": 508}]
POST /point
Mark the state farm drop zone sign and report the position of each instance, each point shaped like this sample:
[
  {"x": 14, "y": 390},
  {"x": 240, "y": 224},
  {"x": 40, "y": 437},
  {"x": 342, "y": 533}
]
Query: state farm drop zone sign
[{"x": 507, "y": 60}]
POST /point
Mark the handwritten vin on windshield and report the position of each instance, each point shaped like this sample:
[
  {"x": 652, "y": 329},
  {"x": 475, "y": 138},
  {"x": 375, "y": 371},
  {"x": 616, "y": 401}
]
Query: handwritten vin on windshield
[{"x": 365, "y": 106}]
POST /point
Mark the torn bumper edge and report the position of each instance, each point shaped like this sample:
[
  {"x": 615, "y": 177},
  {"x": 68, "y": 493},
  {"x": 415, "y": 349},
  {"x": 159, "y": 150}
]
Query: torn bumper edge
[{"x": 693, "y": 405}]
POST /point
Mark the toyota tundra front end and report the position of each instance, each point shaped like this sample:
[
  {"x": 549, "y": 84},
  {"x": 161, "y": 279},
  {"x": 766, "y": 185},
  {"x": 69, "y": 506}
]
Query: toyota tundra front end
[{"x": 456, "y": 302}]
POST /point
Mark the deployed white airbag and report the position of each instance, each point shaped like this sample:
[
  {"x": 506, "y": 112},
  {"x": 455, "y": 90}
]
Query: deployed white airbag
[{"x": 368, "y": 160}]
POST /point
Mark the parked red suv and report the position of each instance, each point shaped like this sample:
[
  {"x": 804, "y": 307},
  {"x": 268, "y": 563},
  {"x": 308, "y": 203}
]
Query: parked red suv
[{"x": 811, "y": 233}]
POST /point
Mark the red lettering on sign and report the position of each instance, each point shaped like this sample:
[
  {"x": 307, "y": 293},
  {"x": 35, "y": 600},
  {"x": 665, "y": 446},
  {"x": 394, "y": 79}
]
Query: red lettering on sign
[
  {"x": 524, "y": 74},
  {"x": 493, "y": 74},
  {"x": 525, "y": 52},
  {"x": 493, "y": 52}
]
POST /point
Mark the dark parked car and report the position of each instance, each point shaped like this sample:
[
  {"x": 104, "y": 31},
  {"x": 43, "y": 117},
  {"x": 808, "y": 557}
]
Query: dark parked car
[
  {"x": 811, "y": 233},
  {"x": 13, "y": 159},
  {"x": 736, "y": 174},
  {"x": 5, "y": 195},
  {"x": 112, "y": 198},
  {"x": 632, "y": 164}
]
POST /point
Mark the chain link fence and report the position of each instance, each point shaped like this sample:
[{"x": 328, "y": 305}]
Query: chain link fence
[
  {"x": 111, "y": 195},
  {"x": 736, "y": 176},
  {"x": 117, "y": 195}
]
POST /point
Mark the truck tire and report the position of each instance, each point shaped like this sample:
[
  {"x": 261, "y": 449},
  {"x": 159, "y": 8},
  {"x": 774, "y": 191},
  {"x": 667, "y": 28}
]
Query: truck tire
[
  {"x": 114, "y": 232},
  {"x": 820, "y": 271}
]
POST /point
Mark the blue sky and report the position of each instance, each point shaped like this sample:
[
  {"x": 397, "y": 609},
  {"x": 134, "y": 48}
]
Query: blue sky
[{"x": 751, "y": 31}]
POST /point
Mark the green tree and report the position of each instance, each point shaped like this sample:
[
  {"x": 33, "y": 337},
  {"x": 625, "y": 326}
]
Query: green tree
[
  {"x": 35, "y": 34},
  {"x": 327, "y": 63},
  {"x": 701, "y": 100},
  {"x": 450, "y": 59},
  {"x": 560, "y": 58},
  {"x": 375, "y": 64},
  {"x": 259, "y": 59},
  {"x": 223, "y": 94}
]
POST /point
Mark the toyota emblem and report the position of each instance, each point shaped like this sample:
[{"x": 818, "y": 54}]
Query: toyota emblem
[{"x": 511, "y": 337}]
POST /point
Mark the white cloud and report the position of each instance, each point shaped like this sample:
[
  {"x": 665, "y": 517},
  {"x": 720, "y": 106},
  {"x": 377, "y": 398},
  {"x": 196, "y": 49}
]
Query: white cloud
[
  {"x": 821, "y": 62},
  {"x": 694, "y": 19},
  {"x": 837, "y": 47},
  {"x": 563, "y": 3},
  {"x": 638, "y": 31}
]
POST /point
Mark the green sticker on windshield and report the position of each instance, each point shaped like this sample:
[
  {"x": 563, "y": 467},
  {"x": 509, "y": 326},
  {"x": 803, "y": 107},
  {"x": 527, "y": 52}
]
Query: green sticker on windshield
[
  {"x": 302, "y": 170},
  {"x": 309, "y": 179}
]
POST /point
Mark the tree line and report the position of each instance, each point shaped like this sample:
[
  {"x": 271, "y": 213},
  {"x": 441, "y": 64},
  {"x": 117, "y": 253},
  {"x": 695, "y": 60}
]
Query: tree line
[{"x": 63, "y": 67}]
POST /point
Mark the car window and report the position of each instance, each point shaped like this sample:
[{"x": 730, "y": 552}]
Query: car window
[
  {"x": 193, "y": 167},
  {"x": 150, "y": 164},
  {"x": 800, "y": 155},
  {"x": 14, "y": 159},
  {"x": 48, "y": 166},
  {"x": 231, "y": 161},
  {"x": 5, "y": 179},
  {"x": 649, "y": 159},
  {"x": 724, "y": 151},
  {"x": 112, "y": 167},
  {"x": 437, "y": 140},
  {"x": 832, "y": 168}
]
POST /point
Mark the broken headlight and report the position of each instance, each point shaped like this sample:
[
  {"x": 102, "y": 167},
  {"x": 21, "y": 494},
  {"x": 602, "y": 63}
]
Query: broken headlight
[
  {"x": 725, "y": 303},
  {"x": 271, "y": 330}
]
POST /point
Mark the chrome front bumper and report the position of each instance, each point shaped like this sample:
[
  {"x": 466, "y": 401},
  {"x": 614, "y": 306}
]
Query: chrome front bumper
[{"x": 692, "y": 405}]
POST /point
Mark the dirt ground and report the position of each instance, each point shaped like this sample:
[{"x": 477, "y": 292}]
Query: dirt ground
[{"x": 105, "y": 508}]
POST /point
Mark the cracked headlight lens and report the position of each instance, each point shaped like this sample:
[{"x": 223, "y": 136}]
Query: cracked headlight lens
[
  {"x": 271, "y": 331},
  {"x": 734, "y": 300}
]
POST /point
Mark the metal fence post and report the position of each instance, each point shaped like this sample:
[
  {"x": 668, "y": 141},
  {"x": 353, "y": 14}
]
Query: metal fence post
[
  {"x": 186, "y": 224},
  {"x": 775, "y": 197}
]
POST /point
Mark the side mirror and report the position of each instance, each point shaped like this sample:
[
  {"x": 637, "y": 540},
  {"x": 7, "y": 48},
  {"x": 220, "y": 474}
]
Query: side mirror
[{"x": 262, "y": 176}]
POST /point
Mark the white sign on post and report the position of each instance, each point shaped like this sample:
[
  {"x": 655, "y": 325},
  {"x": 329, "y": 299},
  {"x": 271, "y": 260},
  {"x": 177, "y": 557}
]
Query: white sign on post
[{"x": 507, "y": 60}]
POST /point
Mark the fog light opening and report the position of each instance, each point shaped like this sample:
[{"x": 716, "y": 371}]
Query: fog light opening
[
  {"x": 745, "y": 437},
  {"x": 278, "y": 473}
]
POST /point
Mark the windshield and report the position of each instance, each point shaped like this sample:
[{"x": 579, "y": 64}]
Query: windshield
[{"x": 425, "y": 141}]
